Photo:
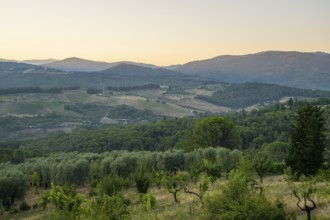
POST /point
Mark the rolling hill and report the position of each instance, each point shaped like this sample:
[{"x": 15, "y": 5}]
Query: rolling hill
[{"x": 17, "y": 75}]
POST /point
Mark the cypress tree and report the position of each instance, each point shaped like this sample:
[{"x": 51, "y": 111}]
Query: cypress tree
[{"x": 307, "y": 141}]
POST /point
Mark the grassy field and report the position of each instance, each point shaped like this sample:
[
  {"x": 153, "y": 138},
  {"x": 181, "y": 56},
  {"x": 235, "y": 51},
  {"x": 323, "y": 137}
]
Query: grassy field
[
  {"x": 197, "y": 91},
  {"x": 190, "y": 207}
]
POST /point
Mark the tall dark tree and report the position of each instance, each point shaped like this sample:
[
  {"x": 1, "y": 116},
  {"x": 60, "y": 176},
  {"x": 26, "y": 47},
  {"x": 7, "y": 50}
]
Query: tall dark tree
[{"x": 307, "y": 141}]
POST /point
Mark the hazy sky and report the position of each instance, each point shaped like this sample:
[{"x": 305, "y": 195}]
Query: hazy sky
[{"x": 160, "y": 31}]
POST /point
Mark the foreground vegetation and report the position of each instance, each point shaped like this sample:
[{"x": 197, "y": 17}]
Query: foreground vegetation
[{"x": 146, "y": 185}]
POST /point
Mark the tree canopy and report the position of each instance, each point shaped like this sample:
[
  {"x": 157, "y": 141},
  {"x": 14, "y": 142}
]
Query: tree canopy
[
  {"x": 307, "y": 141},
  {"x": 216, "y": 131}
]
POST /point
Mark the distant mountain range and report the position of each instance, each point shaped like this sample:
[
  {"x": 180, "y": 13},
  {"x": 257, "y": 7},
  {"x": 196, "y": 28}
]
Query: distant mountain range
[
  {"x": 4, "y": 60},
  {"x": 39, "y": 62},
  {"x": 17, "y": 75},
  {"x": 13, "y": 67},
  {"x": 127, "y": 69},
  {"x": 75, "y": 64},
  {"x": 32, "y": 62},
  {"x": 294, "y": 69}
]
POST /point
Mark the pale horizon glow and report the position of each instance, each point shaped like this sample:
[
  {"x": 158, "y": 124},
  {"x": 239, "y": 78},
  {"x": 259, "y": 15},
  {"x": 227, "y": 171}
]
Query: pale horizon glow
[{"x": 160, "y": 32}]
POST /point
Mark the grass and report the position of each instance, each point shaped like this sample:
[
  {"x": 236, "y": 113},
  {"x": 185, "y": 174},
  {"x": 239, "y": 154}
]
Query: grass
[
  {"x": 75, "y": 96},
  {"x": 188, "y": 101},
  {"x": 34, "y": 214},
  {"x": 30, "y": 108},
  {"x": 190, "y": 207},
  {"x": 196, "y": 91},
  {"x": 164, "y": 108},
  {"x": 276, "y": 189}
]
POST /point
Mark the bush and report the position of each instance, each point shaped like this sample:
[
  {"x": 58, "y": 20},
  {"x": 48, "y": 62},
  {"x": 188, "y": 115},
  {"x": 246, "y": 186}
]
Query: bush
[
  {"x": 213, "y": 170},
  {"x": 113, "y": 184},
  {"x": 143, "y": 183},
  {"x": 64, "y": 199},
  {"x": 277, "y": 167},
  {"x": 110, "y": 208},
  {"x": 148, "y": 201},
  {"x": 238, "y": 201},
  {"x": 35, "y": 206},
  {"x": 13, "y": 211},
  {"x": 23, "y": 206}
]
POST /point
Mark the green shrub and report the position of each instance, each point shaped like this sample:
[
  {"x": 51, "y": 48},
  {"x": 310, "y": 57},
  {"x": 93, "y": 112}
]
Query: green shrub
[
  {"x": 35, "y": 206},
  {"x": 65, "y": 200},
  {"x": 143, "y": 183},
  {"x": 13, "y": 211},
  {"x": 110, "y": 208},
  {"x": 238, "y": 201},
  {"x": 148, "y": 201},
  {"x": 213, "y": 170},
  {"x": 113, "y": 184},
  {"x": 277, "y": 167}
]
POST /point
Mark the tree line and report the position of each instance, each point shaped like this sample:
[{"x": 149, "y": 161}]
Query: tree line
[
  {"x": 131, "y": 88},
  {"x": 9, "y": 91}
]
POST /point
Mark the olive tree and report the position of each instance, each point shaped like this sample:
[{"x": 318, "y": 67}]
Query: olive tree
[{"x": 13, "y": 185}]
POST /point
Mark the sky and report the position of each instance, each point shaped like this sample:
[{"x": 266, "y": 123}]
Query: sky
[{"x": 161, "y": 32}]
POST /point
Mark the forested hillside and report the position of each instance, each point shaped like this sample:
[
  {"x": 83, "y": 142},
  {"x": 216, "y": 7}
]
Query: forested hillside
[
  {"x": 256, "y": 128},
  {"x": 247, "y": 94}
]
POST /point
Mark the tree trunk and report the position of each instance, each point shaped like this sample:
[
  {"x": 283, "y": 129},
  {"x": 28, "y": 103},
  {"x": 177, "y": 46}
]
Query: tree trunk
[
  {"x": 174, "y": 194},
  {"x": 308, "y": 214}
]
